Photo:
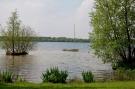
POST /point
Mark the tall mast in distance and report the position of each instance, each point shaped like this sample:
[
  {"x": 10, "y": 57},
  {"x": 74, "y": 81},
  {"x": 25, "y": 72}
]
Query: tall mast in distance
[
  {"x": 73, "y": 49},
  {"x": 74, "y": 33}
]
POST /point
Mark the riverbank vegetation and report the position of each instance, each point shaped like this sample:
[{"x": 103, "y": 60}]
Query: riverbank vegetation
[
  {"x": 55, "y": 75},
  {"x": 122, "y": 74},
  {"x": 87, "y": 76},
  {"x": 113, "y": 36}
]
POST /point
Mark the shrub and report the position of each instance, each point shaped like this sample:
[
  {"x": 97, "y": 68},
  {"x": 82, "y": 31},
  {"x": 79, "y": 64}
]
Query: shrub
[
  {"x": 75, "y": 79},
  {"x": 17, "y": 38},
  {"x": 54, "y": 75},
  {"x": 88, "y": 77},
  {"x": 124, "y": 74},
  {"x": 6, "y": 76}
]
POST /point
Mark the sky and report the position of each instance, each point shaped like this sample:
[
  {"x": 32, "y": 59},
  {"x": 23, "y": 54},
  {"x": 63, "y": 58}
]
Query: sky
[{"x": 55, "y": 18}]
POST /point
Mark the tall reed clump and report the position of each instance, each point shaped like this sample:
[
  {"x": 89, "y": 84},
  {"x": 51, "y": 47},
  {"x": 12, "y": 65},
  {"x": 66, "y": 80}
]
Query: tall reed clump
[
  {"x": 88, "y": 77},
  {"x": 54, "y": 75},
  {"x": 124, "y": 74},
  {"x": 6, "y": 76}
]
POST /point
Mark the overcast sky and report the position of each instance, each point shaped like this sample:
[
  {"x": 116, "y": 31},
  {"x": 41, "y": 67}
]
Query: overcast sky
[{"x": 51, "y": 17}]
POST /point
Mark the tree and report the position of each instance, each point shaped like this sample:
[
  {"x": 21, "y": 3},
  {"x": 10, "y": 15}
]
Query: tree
[
  {"x": 17, "y": 38},
  {"x": 113, "y": 36}
]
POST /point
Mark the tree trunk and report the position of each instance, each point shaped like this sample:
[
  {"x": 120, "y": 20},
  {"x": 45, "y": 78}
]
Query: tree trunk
[{"x": 127, "y": 32}]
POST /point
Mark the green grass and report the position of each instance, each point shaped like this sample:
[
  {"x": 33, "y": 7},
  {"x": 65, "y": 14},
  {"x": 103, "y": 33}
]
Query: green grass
[{"x": 107, "y": 85}]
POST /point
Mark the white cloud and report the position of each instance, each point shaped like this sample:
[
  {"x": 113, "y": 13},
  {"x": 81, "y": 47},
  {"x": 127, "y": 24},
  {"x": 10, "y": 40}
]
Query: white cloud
[
  {"x": 83, "y": 19},
  {"x": 47, "y": 19}
]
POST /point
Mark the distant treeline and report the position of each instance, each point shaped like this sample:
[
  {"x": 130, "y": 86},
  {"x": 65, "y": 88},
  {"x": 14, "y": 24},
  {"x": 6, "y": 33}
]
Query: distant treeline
[
  {"x": 55, "y": 39},
  {"x": 58, "y": 39}
]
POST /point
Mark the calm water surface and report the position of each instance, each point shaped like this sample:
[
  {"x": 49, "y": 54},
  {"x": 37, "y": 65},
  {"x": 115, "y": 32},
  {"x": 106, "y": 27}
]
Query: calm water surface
[{"x": 50, "y": 54}]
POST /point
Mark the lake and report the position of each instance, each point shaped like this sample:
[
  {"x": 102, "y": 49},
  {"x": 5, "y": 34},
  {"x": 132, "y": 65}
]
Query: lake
[{"x": 50, "y": 54}]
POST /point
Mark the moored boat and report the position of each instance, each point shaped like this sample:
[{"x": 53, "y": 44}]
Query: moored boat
[{"x": 72, "y": 50}]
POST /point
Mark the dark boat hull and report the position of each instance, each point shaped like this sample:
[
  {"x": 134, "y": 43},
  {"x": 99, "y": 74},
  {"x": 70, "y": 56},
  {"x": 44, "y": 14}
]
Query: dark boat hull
[{"x": 72, "y": 50}]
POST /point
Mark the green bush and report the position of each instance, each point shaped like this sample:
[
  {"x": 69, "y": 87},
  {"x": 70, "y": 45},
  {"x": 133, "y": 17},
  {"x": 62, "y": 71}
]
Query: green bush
[
  {"x": 88, "y": 77},
  {"x": 124, "y": 74},
  {"x": 54, "y": 75},
  {"x": 6, "y": 76}
]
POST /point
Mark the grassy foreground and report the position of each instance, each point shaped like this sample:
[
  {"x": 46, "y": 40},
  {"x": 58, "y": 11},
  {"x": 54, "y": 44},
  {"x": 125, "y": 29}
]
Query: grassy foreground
[{"x": 107, "y": 85}]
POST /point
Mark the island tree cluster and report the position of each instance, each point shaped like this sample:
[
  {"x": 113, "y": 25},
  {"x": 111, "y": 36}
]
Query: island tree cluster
[
  {"x": 113, "y": 36},
  {"x": 17, "y": 38}
]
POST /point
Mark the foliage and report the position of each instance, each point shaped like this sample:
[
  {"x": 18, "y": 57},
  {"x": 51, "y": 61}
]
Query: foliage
[
  {"x": 75, "y": 79},
  {"x": 58, "y": 39},
  {"x": 88, "y": 77},
  {"x": 124, "y": 75},
  {"x": 54, "y": 39},
  {"x": 16, "y": 36},
  {"x": 6, "y": 76},
  {"x": 54, "y": 75},
  {"x": 113, "y": 36}
]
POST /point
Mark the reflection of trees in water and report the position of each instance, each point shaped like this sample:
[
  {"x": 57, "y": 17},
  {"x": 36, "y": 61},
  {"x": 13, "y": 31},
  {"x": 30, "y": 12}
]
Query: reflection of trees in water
[{"x": 19, "y": 65}]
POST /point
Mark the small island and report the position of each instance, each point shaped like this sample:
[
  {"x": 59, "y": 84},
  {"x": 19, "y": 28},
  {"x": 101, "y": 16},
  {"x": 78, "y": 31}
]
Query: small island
[{"x": 17, "y": 38}]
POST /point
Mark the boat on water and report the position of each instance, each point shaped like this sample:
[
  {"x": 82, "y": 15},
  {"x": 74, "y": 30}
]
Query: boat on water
[{"x": 73, "y": 49}]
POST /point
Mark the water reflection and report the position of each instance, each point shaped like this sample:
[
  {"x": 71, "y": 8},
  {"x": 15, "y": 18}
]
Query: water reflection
[{"x": 20, "y": 65}]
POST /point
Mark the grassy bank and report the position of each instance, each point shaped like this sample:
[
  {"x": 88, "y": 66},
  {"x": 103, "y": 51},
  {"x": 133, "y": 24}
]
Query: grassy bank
[{"x": 107, "y": 85}]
